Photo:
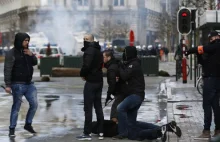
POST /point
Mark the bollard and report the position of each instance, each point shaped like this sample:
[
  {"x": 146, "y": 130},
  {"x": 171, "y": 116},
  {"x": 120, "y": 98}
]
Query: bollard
[{"x": 184, "y": 72}]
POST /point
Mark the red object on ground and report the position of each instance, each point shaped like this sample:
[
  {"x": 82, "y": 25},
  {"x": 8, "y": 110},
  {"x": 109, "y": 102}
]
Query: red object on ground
[
  {"x": 131, "y": 38},
  {"x": 184, "y": 70}
]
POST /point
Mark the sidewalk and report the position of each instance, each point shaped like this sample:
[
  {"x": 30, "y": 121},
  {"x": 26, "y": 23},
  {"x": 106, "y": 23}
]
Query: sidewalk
[{"x": 184, "y": 105}]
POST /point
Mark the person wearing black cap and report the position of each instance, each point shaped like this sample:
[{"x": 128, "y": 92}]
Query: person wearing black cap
[
  {"x": 18, "y": 72},
  {"x": 211, "y": 88},
  {"x": 131, "y": 73}
]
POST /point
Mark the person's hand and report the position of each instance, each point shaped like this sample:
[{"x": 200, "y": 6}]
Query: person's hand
[
  {"x": 117, "y": 78},
  {"x": 8, "y": 90},
  {"x": 108, "y": 99},
  {"x": 28, "y": 52},
  {"x": 83, "y": 78},
  {"x": 186, "y": 53}
]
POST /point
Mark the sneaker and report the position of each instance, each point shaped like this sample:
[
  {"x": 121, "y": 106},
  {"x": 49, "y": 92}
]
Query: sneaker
[
  {"x": 11, "y": 132},
  {"x": 172, "y": 127},
  {"x": 204, "y": 136},
  {"x": 84, "y": 137},
  {"x": 30, "y": 129},
  {"x": 164, "y": 133},
  {"x": 119, "y": 137},
  {"x": 217, "y": 133},
  {"x": 101, "y": 137}
]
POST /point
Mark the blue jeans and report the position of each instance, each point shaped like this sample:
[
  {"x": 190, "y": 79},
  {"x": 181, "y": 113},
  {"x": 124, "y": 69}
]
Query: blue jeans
[
  {"x": 30, "y": 93},
  {"x": 127, "y": 113}
]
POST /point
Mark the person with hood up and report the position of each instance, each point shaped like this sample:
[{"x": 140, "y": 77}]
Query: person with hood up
[
  {"x": 18, "y": 72},
  {"x": 132, "y": 74},
  {"x": 91, "y": 72}
]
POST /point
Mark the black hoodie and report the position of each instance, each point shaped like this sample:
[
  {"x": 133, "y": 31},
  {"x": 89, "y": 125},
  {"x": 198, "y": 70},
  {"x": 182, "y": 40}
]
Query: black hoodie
[
  {"x": 131, "y": 72},
  {"x": 18, "y": 67},
  {"x": 92, "y": 62}
]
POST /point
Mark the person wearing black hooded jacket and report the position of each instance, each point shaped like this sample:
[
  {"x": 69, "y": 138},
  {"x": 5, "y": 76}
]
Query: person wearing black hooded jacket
[
  {"x": 91, "y": 72},
  {"x": 132, "y": 74},
  {"x": 211, "y": 78},
  {"x": 18, "y": 71}
]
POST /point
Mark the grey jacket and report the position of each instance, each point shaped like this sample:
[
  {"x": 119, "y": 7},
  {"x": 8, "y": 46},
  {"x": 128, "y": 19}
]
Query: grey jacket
[{"x": 18, "y": 70}]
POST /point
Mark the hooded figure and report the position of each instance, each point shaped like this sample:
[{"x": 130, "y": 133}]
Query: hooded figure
[
  {"x": 18, "y": 71},
  {"x": 132, "y": 74},
  {"x": 18, "y": 64}
]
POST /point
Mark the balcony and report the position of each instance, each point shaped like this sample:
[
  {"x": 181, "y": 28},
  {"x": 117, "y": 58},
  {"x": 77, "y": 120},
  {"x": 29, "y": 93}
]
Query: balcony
[{"x": 210, "y": 18}]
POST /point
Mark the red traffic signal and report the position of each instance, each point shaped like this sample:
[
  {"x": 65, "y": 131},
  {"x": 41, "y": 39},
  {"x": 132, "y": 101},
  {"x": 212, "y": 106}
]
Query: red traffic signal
[
  {"x": 184, "y": 21},
  {"x": 184, "y": 14}
]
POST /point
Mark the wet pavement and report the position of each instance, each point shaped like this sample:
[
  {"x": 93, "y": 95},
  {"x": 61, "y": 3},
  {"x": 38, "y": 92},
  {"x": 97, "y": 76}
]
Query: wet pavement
[{"x": 60, "y": 114}]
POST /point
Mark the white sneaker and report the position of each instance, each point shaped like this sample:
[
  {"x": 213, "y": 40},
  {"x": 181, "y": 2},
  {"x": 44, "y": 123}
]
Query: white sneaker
[{"x": 101, "y": 137}]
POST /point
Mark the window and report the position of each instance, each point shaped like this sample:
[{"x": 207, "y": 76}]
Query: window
[
  {"x": 53, "y": 51},
  {"x": 100, "y": 3},
  {"x": 65, "y": 4},
  {"x": 119, "y": 2},
  {"x": 122, "y": 3},
  {"x": 83, "y": 2},
  {"x": 116, "y": 2}
]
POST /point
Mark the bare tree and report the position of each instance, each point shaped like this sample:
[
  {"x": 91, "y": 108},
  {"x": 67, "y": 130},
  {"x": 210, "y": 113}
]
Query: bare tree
[{"x": 109, "y": 30}]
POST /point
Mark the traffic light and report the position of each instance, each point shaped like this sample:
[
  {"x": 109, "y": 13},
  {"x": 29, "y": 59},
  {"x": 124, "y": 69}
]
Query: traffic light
[{"x": 184, "y": 21}]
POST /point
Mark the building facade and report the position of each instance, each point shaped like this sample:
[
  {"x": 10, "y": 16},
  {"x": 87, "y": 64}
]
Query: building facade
[{"x": 74, "y": 15}]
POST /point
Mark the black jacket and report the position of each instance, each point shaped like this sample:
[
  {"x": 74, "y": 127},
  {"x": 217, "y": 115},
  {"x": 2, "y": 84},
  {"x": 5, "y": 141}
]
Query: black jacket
[
  {"x": 132, "y": 73},
  {"x": 112, "y": 73},
  {"x": 18, "y": 67},
  {"x": 92, "y": 62},
  {"x": 211, "y": 62}
]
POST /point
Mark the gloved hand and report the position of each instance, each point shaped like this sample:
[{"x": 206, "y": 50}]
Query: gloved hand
[
  {"x": 108, "y": 99},
  {"x": 186, "y": 53}
]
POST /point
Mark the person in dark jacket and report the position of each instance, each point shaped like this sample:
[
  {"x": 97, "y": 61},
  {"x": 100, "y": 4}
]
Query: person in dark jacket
[
  {"x": 91, "y": 72},
  {"x": 114, "y": 85},
  {"x": 18, "y": 71},
  {"x": 140, "y": 131},
  {"x": 211, "y": 88},
  {"x": 132, "y": 74}
]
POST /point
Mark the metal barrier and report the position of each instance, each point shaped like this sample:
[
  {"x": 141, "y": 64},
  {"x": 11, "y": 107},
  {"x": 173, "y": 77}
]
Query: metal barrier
[
  {"x": 47, "y": 63},
  {"x": 73, "y": 61},
  {"x": 149, "y": 64}
]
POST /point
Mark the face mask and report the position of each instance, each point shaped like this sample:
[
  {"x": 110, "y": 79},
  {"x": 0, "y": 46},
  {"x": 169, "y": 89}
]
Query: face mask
[{"x": 86, "y": 44}]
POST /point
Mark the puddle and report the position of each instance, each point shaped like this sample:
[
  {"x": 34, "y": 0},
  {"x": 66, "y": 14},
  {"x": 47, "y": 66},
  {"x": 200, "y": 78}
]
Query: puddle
[
  {"x": 183, "y": 107},
  {"x": 183, "y": 115}
]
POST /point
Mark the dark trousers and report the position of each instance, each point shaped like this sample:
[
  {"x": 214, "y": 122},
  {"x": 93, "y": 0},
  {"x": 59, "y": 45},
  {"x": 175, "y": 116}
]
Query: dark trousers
[
  {"x": 92, "y": 96},
  {"x": 211, "y": 102},
  {"x": 143, "y": 130},
  {"x": 118, "y": 99}
]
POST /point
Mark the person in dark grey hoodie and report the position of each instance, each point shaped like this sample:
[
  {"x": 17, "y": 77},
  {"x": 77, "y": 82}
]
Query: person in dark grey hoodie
[
  {"x": 91, "y": 72},
  {"x": 18, "y": 71}
]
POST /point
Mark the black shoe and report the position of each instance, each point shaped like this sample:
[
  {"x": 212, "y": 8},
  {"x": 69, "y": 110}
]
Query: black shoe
[
  {"x": 119, "y": 137},
  {"x": 30, "y": 129},
  {"x": 172, "y": 127},
  {"x": 164, "y": 133},
  {"x": 11, "y": 132}
]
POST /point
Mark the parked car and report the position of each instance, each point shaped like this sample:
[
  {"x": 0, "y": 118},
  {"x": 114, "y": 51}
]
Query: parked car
[
  {"x": 34, "y": 49},
  {"x": 56, "y": 51}
]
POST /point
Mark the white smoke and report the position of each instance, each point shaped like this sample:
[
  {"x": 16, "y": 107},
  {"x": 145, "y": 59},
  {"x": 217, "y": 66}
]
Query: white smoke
[{"x": 59, "y": 24}]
